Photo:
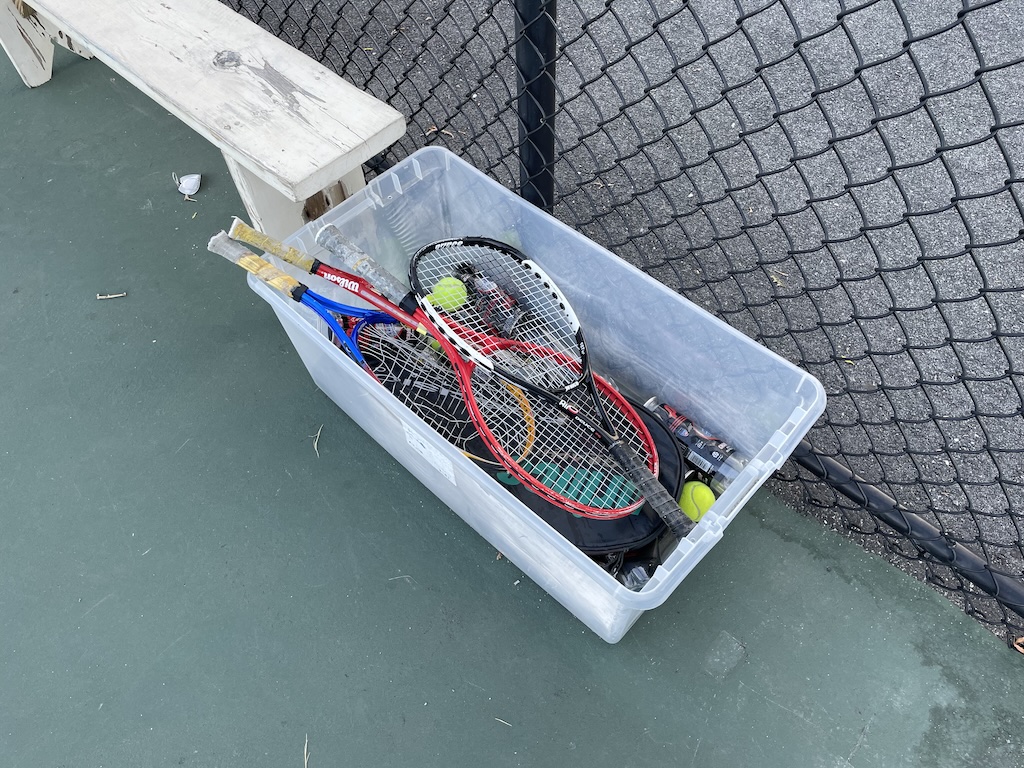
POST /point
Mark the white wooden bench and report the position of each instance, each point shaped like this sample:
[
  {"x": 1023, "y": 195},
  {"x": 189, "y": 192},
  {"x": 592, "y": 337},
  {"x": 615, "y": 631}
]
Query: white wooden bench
[{"x": 293, "y": 133}]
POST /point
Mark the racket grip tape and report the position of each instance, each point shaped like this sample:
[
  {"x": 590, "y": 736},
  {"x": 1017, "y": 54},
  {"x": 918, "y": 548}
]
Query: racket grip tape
[
  {"x": 243, "y": 232},
  {"x": 359, "y": 263},
  {"x": 661, "y": 501},
  {"x": 238, "y": 254}
]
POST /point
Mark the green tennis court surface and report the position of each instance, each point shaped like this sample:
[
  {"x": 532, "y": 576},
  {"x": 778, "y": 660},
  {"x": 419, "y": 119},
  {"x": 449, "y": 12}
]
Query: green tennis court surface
[{"x": 183, "y": 581}]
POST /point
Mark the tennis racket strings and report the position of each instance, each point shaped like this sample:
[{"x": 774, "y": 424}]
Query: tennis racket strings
[
  {"x": 505, "y": 299},
  {"x": 570, "y": 460},
  {"x": 423, "y": 380},
  {"x": 542, "y": 438}
]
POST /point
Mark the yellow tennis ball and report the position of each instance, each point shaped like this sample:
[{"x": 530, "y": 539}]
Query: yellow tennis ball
[
  {"x": 696, "y": 499},
  {"x": 449, "y": 294}
]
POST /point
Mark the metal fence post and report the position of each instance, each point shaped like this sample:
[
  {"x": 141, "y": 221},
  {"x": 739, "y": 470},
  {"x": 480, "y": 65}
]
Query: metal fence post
[{"x": 535, "y": 66}]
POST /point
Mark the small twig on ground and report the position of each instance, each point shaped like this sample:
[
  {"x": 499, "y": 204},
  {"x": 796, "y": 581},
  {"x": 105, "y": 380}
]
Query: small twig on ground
[
  {"x": 316, "y": 440},
  {"x": 435, "y": 129},
  {"x": 305, "y": 753},
  {"x": 102, "y": 296}
]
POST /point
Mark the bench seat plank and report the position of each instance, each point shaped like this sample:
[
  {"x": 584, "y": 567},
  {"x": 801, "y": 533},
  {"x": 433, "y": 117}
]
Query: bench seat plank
[{"x": 282, "y": 116}]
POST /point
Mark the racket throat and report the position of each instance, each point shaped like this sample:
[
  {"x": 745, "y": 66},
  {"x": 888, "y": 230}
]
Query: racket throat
[
  {"x": 569, "y": 408},
  {"x": 610, "y": 440}
]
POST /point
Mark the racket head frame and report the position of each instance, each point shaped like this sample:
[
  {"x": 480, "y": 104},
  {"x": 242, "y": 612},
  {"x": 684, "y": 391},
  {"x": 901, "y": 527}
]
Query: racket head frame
[{"x": 472, "y": 343}]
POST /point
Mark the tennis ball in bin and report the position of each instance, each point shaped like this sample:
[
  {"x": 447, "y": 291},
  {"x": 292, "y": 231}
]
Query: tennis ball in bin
[
  {"x": 696, "y": 499},
  {"x": 449, "y": 294}
]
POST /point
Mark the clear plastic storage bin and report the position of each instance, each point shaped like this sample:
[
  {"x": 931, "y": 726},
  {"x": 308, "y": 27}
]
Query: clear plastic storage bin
[{"x": 675, "y": 352}]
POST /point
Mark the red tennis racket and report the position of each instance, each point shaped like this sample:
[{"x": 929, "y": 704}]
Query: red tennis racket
[
  {"x": 515, "y": 323},
  {"x": 564, "y": 462}
]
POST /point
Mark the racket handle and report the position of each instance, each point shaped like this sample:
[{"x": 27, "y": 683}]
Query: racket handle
[
  {"x": 246, "y": 234},
  {"x": 238, "y": 254},
  {"x": 661, "y": 501},
  {"x": 359, "y": 263}
]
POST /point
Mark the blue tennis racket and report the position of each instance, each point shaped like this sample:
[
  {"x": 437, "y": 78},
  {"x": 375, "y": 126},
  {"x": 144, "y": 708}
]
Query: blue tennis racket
[{"x": 403, "y": 361}]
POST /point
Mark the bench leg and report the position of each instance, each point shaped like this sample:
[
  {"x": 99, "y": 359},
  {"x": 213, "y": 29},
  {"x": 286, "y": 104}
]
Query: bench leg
[
  {"x": 28, "y": 39},
  {"x": 28, "y": 46},
  {"x": 352, "y": 182},
  {"x": 269, "y": 210},
  {"x": 276, "y": 215}
]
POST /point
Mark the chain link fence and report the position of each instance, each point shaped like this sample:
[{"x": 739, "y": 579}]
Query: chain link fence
[{"x": 841, "y": 181}]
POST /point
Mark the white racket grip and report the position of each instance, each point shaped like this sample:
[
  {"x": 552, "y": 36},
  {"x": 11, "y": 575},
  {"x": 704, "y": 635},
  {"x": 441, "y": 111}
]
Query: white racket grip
[
  {"x": 238, "y": 254},
  {"x": 359, "y": 263},
  {"x": 661, "y": 501},
  {"x": 224, "y": 246}
]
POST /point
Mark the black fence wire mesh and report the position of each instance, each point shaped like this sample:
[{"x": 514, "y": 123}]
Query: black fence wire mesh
[{"x": 841, "y": 181}]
